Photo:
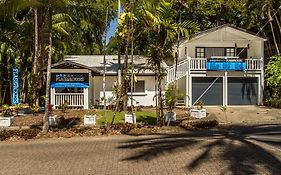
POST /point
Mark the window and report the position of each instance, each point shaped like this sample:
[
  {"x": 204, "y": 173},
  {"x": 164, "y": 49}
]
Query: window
[
  {"x": 230, "y": 52},
  {"x": 200, "y": 52},
  {"x": 139, "y": 86}
]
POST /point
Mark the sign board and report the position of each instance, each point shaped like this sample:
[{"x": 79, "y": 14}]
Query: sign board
[
  {"x": 5, "y": 121},
  {"x": 198, "y": 113},
  {"x": 226, "y": 65},
  {"x": 70, "y": 77},
  {"x": 129, "y": 118},
  {"x": 15, "y": 86},
  {"x": 89, "y": 120}
]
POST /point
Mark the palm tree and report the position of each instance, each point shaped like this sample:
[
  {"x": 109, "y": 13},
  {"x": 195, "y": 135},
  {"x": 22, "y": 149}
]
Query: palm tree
[{"x": 162, "y": 33}]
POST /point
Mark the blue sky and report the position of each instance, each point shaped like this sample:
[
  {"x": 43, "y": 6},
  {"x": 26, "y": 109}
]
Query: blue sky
[{"x": 111, "y": 30}]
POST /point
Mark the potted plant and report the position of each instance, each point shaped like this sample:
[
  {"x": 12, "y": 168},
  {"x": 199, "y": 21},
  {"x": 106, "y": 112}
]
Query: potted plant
[
  {"x": 90, "y": 117},
  {"x": 7, "y": 118},
  {"x": 199, "y": 112},
  {"x": 171, "y": 97}
]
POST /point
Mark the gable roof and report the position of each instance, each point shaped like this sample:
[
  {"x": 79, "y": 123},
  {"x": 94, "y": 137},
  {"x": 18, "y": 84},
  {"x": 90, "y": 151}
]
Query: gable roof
[
  {"x": 72, "y": 63},
  {"x": 202, "y": 33}
]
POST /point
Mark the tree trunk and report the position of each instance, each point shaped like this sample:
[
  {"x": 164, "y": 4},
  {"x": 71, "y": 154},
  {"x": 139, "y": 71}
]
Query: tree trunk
[
  {"x": 278, "y": 23},
  {"x": 160, "y": 99},
  {"x": 272, "y": 30},
  {"x": 125, "y": 76},
  {"x": 47, "y": 100},
  {"x": 35, "y": 60},
  {"x": 0, "y": 86}
]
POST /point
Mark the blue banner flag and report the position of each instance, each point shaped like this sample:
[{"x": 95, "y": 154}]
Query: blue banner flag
[{"x": 15, "y": 86}]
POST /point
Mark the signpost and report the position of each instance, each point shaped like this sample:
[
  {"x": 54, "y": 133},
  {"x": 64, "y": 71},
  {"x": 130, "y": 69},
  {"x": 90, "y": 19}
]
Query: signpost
[{"x": 15, "y": 86}]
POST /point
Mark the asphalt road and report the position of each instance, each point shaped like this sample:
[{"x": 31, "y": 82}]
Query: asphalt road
[{"x": 269, "y": 134}]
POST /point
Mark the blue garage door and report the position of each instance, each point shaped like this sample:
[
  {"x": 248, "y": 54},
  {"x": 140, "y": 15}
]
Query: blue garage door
[
  {"x": 242, "y": 91},
  {"x": 214, "y": 96}
]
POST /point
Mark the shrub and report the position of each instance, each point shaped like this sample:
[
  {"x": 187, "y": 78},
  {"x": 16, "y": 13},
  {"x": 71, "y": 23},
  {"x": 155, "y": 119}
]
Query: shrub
[
  {"x": 273, "y": 102},
  {"x": 200, "y": 124},
  {"x": 7, "y": 110},
  {"x": 25, "y": 134},
  {"x": 63, "y": 107}
]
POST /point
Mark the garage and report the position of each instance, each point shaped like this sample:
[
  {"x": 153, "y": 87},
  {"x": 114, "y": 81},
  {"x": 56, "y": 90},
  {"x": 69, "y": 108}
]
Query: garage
[
  {"x": 214, "y": 96},
  {"x": 242, "y": 91}
]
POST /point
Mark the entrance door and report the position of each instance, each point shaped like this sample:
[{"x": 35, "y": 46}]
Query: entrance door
[
  {"x": 214, "y": 96},
  {"x": 242, "y": 91}
]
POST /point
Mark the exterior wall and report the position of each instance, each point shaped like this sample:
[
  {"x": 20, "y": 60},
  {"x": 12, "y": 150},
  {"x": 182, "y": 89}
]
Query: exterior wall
[
  {"x": 225, "y": 37},
  {"x": 143, "y": 98}
]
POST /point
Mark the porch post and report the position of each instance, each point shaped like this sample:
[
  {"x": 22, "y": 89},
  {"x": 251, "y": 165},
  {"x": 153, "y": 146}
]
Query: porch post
[
  {"x": 261, "y": 84},
  {"x": 225, "y": 89},
  {"x": 86, "y": 98},
  {"x": 53, "y": 90},
  {"x": 188, "y": 85}
]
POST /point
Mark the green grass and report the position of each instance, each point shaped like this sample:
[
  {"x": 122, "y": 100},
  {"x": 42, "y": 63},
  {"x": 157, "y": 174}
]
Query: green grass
[{"x": 142, "y": 116}]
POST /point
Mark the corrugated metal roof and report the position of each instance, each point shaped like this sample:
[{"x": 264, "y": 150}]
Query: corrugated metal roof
[{"x": 112, "y": 66}]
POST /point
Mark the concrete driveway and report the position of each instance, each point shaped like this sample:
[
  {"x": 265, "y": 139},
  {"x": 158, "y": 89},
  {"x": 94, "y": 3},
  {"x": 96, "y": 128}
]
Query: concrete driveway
[{"x": 246, "y": 114}]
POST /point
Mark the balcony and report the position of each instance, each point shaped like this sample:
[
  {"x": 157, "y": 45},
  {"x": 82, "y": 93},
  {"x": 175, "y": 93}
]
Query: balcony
[{"x": 226, "y": 64}]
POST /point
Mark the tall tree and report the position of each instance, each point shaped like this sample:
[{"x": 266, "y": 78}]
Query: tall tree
[{"x": 161, "y": 31}]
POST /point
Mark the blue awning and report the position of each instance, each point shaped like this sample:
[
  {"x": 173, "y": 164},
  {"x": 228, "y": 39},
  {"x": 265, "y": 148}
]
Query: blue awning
[{"x": 69, "y": 85}]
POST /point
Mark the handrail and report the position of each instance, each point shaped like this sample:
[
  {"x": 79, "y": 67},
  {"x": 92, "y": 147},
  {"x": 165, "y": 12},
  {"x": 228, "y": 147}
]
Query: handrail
[{"x": 201, "y": 64}]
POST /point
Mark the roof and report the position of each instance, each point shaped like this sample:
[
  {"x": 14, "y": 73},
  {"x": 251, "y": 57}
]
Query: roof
[
  {"x": 225, "y": 26},
  {"x": 95, "y": 63}
]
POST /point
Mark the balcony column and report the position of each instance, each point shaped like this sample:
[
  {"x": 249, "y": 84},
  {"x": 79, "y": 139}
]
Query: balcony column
[
  {"x": 53, "y": 97},
  {"x": 261, "y": 84},
  {"x": 86, "y": 98},
  {"x": 225, "y": 89},
  {"x": 188, "y": 98}
]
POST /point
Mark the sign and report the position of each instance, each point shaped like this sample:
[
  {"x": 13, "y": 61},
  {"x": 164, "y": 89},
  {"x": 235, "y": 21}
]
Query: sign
[
  {"x": 129, "y": 118},
  {"x": 15, "y": 86},
  {"x": 89, "y": 119},
  {"x": 70, "y": 77},
  {"x": 5, "y": 121},
  {"x": 226, "y": 65}
]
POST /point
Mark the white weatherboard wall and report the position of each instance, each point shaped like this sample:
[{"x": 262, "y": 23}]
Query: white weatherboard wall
[
  {"x": 225, "y": 37},
  {"x": 143, "y": 98}
]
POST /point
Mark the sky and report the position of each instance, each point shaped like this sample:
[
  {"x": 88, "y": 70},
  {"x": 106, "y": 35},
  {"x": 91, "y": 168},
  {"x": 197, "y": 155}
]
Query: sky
[{"x": 111, "y": 29}]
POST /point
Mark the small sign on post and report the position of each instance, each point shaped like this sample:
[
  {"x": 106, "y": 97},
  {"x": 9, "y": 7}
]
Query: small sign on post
[
  {"x": 15, "y": 86},
  {"x": 89, "y": 120},
  {"x": 130, "y": 118}
]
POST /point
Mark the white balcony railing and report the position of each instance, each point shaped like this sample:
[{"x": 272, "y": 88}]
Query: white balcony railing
[
  {"x": 200, "y": 64},
  {"x": 72, "y": 99},
  {"x": 254, "y": 64}
]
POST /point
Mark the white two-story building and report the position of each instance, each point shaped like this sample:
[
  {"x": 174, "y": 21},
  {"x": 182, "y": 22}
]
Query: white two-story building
[{"x": 221, "y": 66}]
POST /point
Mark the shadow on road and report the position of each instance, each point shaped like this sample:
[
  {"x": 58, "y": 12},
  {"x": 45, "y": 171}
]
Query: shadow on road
[{"x": 232, "y": 146}]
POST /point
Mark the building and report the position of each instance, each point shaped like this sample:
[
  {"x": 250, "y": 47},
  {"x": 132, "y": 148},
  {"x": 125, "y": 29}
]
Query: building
[
  {"x": 219, "y": 66},
  {"x": 78, "y": 80}
]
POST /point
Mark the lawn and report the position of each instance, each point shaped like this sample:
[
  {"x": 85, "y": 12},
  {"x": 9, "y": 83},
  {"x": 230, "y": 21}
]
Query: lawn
[{"x": 147, "y": 117}]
